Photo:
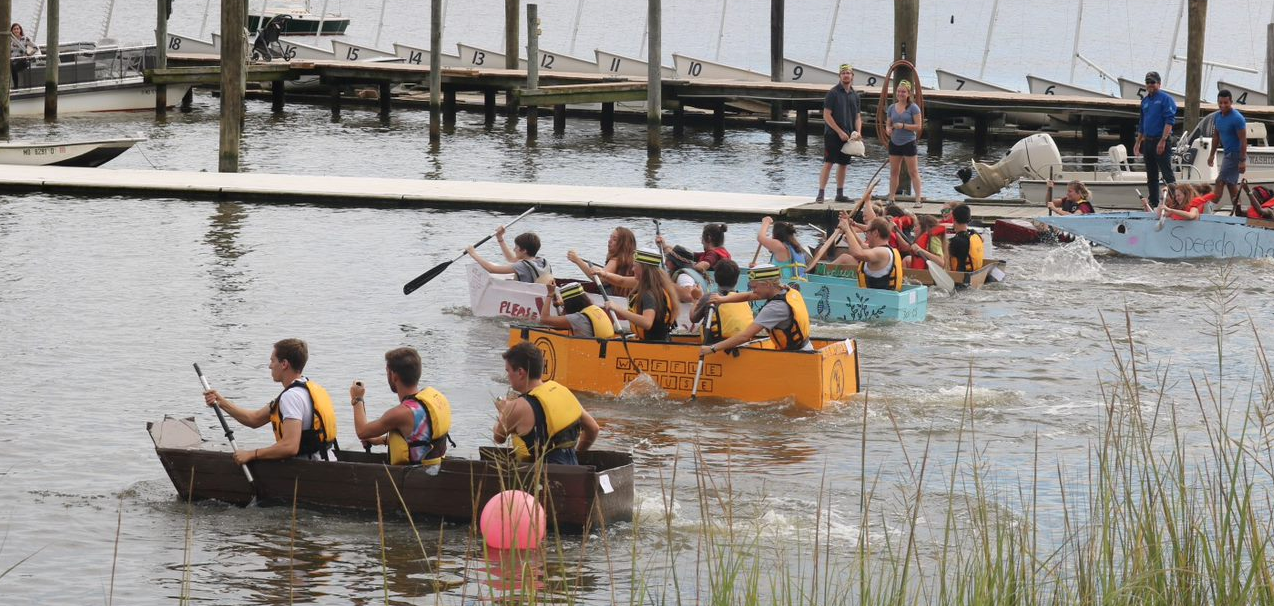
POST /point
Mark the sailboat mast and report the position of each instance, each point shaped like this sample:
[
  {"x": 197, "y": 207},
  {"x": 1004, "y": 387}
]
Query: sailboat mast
[
  {"x": 106, "y": 23},
  {"x": 1079, "y": 20},
  {"x": 579, "y": 12},
  {"x": 39, "y": 12},
  {"x": 380, "y": 23},
  {"x": 990, "y": 28},
  {"x": 831, "y": 33},
  {"x": 318, "y": 34},
  {"x": 721, "y": 30},
  {"x": 203, "y": 25},
  {"x": 1173, "y": 50}
]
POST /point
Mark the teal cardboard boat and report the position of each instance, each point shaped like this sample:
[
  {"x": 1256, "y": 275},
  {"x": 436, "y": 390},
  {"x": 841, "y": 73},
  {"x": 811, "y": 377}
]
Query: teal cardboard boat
[{"x": 832, "y": 294}]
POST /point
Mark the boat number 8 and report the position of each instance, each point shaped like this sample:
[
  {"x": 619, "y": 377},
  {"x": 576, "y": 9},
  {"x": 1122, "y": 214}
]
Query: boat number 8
[
  {"x": 696, "y": 68},
  {"x": 1050, "y": 90},
  {"x": 797, "y": 72}
]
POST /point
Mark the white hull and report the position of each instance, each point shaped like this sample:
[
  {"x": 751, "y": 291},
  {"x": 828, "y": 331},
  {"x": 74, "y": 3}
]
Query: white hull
[
  {"x": 101, "y": 96},
  {"x": 621, "y": 65},
  {"x": 344, "y": 51},
  {"x": 1244, "y": 95},
  {"x": 185, "y": 44},
  {"x": 953, "y": 81},
  {"x": 696, "y": 69},
  {"x": 291, "y": 50},
  {"x": 419, "y": 56},
  {"x": 1044, "y": 86},
  {"x": 69, "y": 153},
  {"x": 1136, "y": 90},
  {"x": 1121, "y": 194},
  {"x": 472, "y": 56}
]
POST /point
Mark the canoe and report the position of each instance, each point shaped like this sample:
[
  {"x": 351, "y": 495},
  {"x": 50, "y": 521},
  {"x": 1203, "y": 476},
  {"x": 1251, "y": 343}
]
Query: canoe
[
  {"x": 756, "y": 373},
  {"x": 1134, "y": 234},
  {"x": 599, "y": 489},
  {"x": 832, "y": 295},
  {"x": 65, "y": 153},
  {"x": 992, "y": 271},
  {"x": 1014, "y": 231}
]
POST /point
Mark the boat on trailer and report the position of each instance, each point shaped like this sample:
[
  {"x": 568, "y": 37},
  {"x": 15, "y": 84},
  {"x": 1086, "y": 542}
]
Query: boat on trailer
[
  {"x": 1141, "y": 234},
  {"x": 88, "y": 154},
  {"x": 596, "y": 492}
]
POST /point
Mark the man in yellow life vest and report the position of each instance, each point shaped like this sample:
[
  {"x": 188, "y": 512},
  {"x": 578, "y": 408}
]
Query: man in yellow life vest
[
  {"x": 968, "y": 252},
  {"x": 416, "y": 430},
  {"x": 784, "y": 316},
  {"x": 302, "y": 416},
  {"x": 879, "y": 265},
  {"x": 545, "y": 421},
  {"x": 579, "y": 314}
]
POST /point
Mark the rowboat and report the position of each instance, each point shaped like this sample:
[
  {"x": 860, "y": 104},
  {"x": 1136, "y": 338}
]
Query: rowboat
[
  {"x": 953, "y": 81},
  {"x": 598, "y": 490},
  {"x": 1244, "y": 95},
  {"x": 419, "y": 56},
  {"x": 622, "y": 65},
  {"x": 756, "y": 373},
  {"x": 1137, "y": 234},
  {"x": 1129, "y": 89},
  {"x": 1038, "y": 85},
  {"x": 473, "y": 56},
  {"x": 178, "y": 43},
  {"x": 992, "y": 271},
  {"x": 66, "y": 153}
]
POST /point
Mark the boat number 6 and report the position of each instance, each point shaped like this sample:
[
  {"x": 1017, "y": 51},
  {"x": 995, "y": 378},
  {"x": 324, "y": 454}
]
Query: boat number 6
[{"x": 1050, "y": 90}]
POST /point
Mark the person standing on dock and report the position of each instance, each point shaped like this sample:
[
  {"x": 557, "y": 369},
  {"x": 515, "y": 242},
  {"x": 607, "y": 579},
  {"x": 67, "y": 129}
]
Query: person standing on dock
[
  {"x": 1230, "y": 134},
  {"x": 545, "y": 420},
  {"x": 1154, "y": 130},
  {"x": 842, "y": 121},
  {"x": 417, "y": 429},
  {"x": 302, "y": 416},
  {"x": 522, "y": 260},
  {"x": 903, "y": 126}
]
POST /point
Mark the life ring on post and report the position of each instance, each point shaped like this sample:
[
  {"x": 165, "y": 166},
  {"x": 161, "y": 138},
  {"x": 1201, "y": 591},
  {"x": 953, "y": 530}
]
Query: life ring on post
[{"x": 886, "y": 98}]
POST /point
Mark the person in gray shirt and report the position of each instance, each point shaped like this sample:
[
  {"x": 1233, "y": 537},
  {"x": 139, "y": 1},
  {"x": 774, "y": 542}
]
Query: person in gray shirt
[
  {"x": 784, "y": 317},
  {"x": 523, "y": 263},
  {"x": 902, "y": 128},
  {"x": 842, "y": 121},
  {"x": 579, "y": 314}
]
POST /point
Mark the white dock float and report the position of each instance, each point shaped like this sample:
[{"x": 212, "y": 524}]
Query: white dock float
[{"x": 258, "y": 187}]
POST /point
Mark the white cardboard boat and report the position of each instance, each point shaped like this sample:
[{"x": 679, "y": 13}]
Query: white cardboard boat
[{"x": 88, "y": 154}]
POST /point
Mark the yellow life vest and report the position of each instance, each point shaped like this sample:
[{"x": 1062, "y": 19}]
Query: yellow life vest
[
  {"x": 434, "y": 413},
  {"x": 976, "y": 255},
  {"x": 664, "y": 321},
  {"x": 322, "y": 432},
  {"x": 889, "y": 281},
  {"x": 603, "y": 328},
  {"x": 728, "y": 319},
  {"x": 793, "y": 337},
  {"x": 557, "y": 421}
]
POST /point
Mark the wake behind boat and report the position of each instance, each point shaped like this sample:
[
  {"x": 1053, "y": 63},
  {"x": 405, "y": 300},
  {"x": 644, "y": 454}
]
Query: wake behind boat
[
  {"x": 88, "y": 154},
  {"x": 1137, "y": 234}
]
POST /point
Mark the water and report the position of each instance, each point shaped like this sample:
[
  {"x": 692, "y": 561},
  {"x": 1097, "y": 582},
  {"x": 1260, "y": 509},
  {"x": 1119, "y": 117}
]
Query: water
[{"x": 105, "y": 302}]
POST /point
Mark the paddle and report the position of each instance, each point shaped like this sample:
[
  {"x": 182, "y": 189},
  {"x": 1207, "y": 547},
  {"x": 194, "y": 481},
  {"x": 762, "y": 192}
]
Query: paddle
[
  {"x": 941, "y": 278},
  {"x": 623, "y": 336},
  {"x": 707, "y": 322},
  {"x": 1163, "y": 213},
  {"x": 226, "y": 426},
  {"x": 422, "y": 279},
  {"x": 659, "y": 237},
  {"x": 1048, "y": 192}
]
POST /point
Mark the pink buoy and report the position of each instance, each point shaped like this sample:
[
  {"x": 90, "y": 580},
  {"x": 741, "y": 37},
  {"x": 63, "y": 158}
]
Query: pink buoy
[{"x": 512, "y": 520}]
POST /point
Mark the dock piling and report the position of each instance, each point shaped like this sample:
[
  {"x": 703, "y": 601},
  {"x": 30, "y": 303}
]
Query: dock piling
[
  {"x": 511, "y": 18},
  {"x": 981, "y": 128},
  {"x": 532, "y": 67},
  {"x": 435, "y": 74},
  {"x": 188, "y": 101},
  {"x": 1269, "y": 61},
  {"x": 232, "y": 83},
  {"x": 654, "y": 79},
  {"x": 276, "y": 97},
  {"x": 1088, "y": 128},
  {"x": 679, "y": 120},
  {"x": 718, "y": 121},
  {"x": 488, "y": 105},
  {"x": 335, "y": 96},
  {"x": 449, "y": 105},
  {"x": 802, "y": 125},
  {"x": 906, "y": 35},
  {"x": 934, "y": 132},
  {"x": 776, "y": 53},
  {"x": 384, "y": 98},
  {"x": 559, "y": 119},
  {"x": 6, "y": 8},
  {"x": 51, "y": 49},
  {"x": 608, "y": 118},
  {"x": 161, "y": 57},
  {"x": 1194, "y": 60}
]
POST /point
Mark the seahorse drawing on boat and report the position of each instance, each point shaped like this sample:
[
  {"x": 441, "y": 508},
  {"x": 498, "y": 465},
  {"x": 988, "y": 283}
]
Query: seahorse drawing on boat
[{"x": 824, "y": 296}]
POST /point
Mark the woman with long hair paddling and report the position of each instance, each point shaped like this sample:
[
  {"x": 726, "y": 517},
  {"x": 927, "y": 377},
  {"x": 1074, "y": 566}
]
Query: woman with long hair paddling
[
  {"x": 903, "y": 123},
  {"x": 619, "y": 271},
  {"x": 653, "y": 308},
  {"x": 786, "y": 251}
]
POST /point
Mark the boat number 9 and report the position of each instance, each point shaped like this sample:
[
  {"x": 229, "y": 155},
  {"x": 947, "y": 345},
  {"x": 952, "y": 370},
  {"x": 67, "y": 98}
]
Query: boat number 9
[
  {"x": 696, "y": 68},
  {"x": 351, "y": 54},
  {"x": 175, "y": 44},
  {"x": 479, "y": 57},
  {"x": 1050, "y": 90},
  {"x": 797, "y": 72},
  {"x": 546, "y": 60},
  {"x": 416, "y": 57},
  {"x": 959, "y": 84}
]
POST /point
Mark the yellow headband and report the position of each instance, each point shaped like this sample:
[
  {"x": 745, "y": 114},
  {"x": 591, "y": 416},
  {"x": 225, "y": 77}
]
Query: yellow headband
[
  {"x": 574, "y": 289},
  {"x": 903, "y": 84},
  {"x": 761, "y": 273},
  {"x": 845, "y": 67},
  {"x": 646, "y": 257}
]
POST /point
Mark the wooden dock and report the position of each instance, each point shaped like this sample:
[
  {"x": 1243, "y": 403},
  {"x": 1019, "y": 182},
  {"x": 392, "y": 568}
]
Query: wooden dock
[{"x": 383, "y": 192}]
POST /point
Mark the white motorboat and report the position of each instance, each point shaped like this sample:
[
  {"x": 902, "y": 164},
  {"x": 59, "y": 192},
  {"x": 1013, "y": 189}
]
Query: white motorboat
[
  {"x": 418, "y": 56},
  {"x": 1129, "y": 89},
  {"x": 622, "y": 65},
  {"x": 88, "y": 154},
  {"x": 1112, "y": 180},
  {"x": 302, "y": 19},
  {"x": 1244, "y": 95},
  {"x": 91, "y": 80},
  {"x": 695, "y": 69}
]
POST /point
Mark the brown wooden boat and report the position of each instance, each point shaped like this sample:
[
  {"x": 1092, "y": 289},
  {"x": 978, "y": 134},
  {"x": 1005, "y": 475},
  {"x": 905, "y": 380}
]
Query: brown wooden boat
[{"x": 599, "y": 491}]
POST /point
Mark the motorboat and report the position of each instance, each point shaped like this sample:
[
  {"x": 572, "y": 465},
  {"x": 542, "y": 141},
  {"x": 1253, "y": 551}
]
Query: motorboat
[
  {"x": 89, "y": 154},
  {"x": 93, "y": 79},
  {"x": 303, "y": 21}
]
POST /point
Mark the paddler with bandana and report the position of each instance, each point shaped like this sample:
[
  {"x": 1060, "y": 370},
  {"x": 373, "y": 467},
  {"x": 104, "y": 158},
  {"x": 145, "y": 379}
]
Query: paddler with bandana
[
  {"x": 784, "y": 316},
  {"x": 545, "y": 421},
  {"x": 580, "y": 315},
  {"x": 302, "y": 416},
  {"x": 417, "y": 429},
  {"x": 653, "y": 308}
]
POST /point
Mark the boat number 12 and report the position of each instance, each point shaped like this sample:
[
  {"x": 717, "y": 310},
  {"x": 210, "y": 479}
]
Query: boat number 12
[{"x": 546, "y": 61}]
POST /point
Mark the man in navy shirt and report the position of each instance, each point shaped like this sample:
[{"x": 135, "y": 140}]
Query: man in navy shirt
[
  {"x": 1229, "y": 132},
  {"x": 842, "y": 121},
  {"x": 1158, "y": 114}
]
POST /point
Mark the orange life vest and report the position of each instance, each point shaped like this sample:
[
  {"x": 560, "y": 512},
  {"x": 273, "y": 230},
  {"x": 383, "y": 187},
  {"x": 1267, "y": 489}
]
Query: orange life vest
[{"x": 918, "y": 261}]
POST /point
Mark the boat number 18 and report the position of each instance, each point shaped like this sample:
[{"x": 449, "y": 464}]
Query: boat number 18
[{"x": 174, "y": 43}]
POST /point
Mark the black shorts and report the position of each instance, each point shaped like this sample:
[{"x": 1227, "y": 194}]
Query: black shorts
[
  {"x": 831, "y": 150},
  {"x": 906, "y": 149}
]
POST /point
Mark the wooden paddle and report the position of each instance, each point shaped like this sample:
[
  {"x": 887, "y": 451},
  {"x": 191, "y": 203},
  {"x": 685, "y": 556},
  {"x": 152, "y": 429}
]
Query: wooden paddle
[
  {"x": 941, "y": 278},
  {"x": 226, "y": 426},
  {"x": 623, "y": 336},
  {"x": 658, "y": 244},
  {"x": 831, "y": 240},
  {"x": 707, "y": 322},
  {"x": 1048, "y": 192},
  {"x": 422, "y": 279}
]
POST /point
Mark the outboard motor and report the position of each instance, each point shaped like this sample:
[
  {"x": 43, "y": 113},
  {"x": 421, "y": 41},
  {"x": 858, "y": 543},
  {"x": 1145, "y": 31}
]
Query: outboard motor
[{"x": 1030, "y": 157}]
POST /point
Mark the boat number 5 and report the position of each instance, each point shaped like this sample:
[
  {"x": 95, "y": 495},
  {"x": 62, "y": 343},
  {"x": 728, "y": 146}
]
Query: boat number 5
[
  {"x": 351, "y": 54},
  {"x": 479, "y": 57},
  {"x": 1050, "y": 90},
  {"x": 174, "y": 43},
  {"x": 797, "y": 72},
  {"x": 696, "y": 68}
]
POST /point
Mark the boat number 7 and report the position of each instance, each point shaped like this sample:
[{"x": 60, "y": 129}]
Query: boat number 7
[{"x": 959, "y": 84}]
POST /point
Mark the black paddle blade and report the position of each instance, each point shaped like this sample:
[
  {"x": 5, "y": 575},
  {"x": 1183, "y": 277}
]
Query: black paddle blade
[{"x": 420, "y": 280}]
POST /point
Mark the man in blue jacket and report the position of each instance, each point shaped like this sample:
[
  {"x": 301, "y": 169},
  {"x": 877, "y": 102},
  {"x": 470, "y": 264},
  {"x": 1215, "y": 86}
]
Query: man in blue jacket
[{"x": 1154, "y": 130}]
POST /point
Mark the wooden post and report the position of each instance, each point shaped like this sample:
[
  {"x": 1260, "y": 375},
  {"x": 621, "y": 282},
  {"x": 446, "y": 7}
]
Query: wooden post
[
  {"x": 488, "y": 105},
  {"x": 1194, "y": 60},
  {"x": 906, "y": 35},
  {"x": 981, "y": 124},
  {"x": 776, "y": 53},
  {"x": 679, "y": 120},
  {"x": 1088, "y": 128},
  {"x": 53, "y": 57},
  {"x": 435, "y": 71},
  {"x": 161, "y": 56},
  {"x": 232, "y": 84},
  {"x": 532, "y": 67},
  {"x": 334, "y": 94},
  {"x": 718, "y": 121},
  {"x": 511, "y": 50},
  {"x": 384, "y": 98},
  {"x": 654, "y": 77},
  {"x": 559, "y": 119},
  {"x": 188, "y": 100},
  {"x": 1269, "y": 62},
  {"x": 276, "y": 97},
  {"x": 802, "y": 125},
  {"x": 449, "y": 105},
  {"x": 935, "y": 134},
  {"x": 6, "y": 8},
  {"x": 608, "y": 118}
]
